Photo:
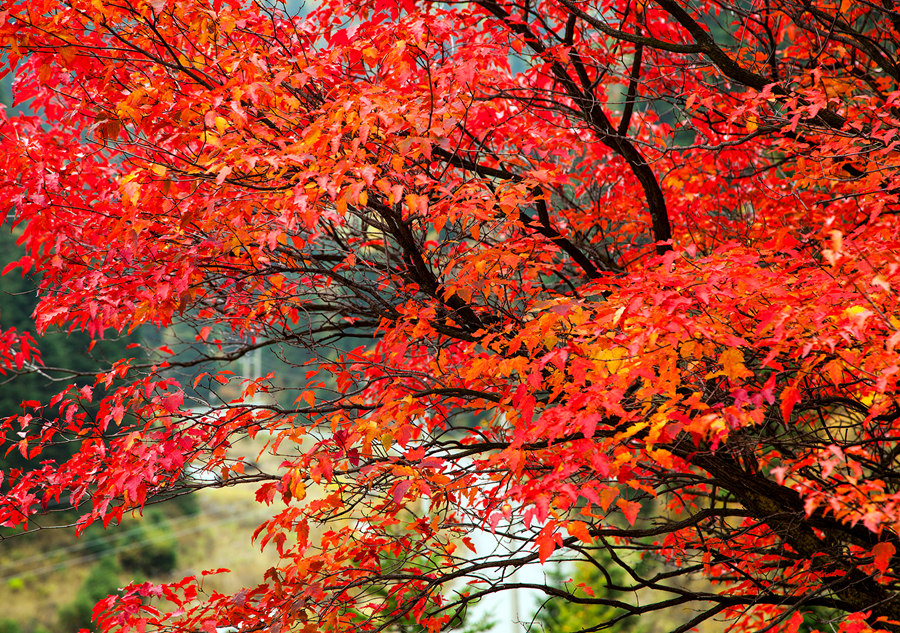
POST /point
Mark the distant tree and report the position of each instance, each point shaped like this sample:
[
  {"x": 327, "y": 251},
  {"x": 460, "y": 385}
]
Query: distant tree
[
  {"x": 9, "y": 626},
  {"x": 67, "y": 358},
  {"x": 587, "y": 594},
  {"x": 150, "y": 549},
  {"x": 102, "y": 581}
]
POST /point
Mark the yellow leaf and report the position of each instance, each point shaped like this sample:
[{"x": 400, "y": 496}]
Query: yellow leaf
[
  {"x": 611, "y": 359},
  {"x": 226, "y": 23},
  {"x": 412, "y": 203},
  {"x": 732, "y": 361},
  {"x": 221, "y": 124}
]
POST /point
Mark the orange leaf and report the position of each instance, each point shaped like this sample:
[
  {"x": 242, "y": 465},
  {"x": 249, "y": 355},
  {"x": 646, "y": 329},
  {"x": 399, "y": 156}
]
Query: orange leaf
[
  {"x": 630, "y": 509},
  {"x": 546, "y": 546},
  {"x": 579, "y": 530},
  {"x": 789, "y": 397},
  {"x": 607, "y": 495}
]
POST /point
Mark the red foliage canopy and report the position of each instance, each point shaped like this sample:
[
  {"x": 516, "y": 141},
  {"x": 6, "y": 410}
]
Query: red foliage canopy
[{"x": 624, "y": 273}]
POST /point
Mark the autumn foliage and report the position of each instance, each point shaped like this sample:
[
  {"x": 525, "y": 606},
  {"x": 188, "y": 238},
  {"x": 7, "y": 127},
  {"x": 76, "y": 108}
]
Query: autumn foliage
[{"x": 613, "y": 279}]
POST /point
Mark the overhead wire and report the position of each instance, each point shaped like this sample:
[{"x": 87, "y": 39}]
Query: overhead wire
[{"x": 205, "y": 524}]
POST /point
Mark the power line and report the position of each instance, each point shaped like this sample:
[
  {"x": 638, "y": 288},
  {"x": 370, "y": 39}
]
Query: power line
[
  {"x": 205, "y": 524},
  {"x": 104, "y": 540}
]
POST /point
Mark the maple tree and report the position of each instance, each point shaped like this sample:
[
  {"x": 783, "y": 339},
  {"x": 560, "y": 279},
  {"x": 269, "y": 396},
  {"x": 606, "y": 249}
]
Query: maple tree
[{"x": 606, "y": 278}]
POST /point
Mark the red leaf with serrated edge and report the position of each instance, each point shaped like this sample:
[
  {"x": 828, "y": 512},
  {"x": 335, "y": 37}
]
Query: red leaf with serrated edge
[
  {"x": 400, "y": 491},
  {"x": 211, "y": 572},
  {"x": 198, "y": 378},
  {"x": 630, "y": 509},
  {"x": 795, "y": 622},
  {"x": 546, "y": 547},
  {"x": 173, "y": 402},
  {"x": 789, "y": 397},
  {"x": 10, "y": 266},
  {"x": 882, "y": 553}
]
